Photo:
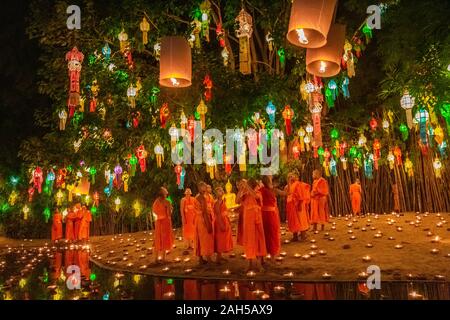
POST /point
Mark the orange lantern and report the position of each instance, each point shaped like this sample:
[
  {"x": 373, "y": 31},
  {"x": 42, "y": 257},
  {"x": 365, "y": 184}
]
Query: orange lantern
[
  {"x": 310, "y": 22},
  {"x": 288, "y": 114},
  {"x": 175, "y": 68},
  {"x": 326, "y": 61}
]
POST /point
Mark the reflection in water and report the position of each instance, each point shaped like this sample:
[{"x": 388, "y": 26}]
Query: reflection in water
[{"x": 42, "y": 273}]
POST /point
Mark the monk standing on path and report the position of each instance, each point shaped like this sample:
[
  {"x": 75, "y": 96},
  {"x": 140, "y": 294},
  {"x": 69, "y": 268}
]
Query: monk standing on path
[
  {"x": 319, "y": 200},
  {"x": 223, "y": 241},
  {"x": 77, "y": 221},
  {"x": 270, "y": 217},
  {"x": 296, "y": 206},
  {"x": 163, "y": 240},
  {"x": 85, "y": 224},
  {"x": 70, "y": 219},
  {"x": 204, "y": 232},
  {"x": 253, "y": 231},
  {"x": 57, "y": 232},
  {"x": 187, "y": 218},
  {"x": 355, "y": 197}
]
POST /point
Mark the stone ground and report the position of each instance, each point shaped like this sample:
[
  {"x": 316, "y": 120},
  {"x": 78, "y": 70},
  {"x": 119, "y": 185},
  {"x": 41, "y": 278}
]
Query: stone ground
[{"x": 409, "y": 246}]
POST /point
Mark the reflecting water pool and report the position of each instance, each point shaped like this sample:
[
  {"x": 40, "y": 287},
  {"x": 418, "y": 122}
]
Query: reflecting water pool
[{"x": 50, "y": 274}]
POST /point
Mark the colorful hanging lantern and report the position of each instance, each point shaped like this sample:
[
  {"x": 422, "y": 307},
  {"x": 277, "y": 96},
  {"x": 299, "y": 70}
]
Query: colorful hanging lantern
[
  {"x": 38, "y": 179},
  {"x": 70, "y": 188},
  {"x": 362, "y": 140},
  {"x": 391, "y": 160},
  {"x": 421, "y": 118},
  {"x": 131, "y": 94},
  {"x": 208, "y": 83},
  {"x": 302, "y": 134},
  {"x": 398, "y": 155},
  {"x": 334, "y": 134},
  {"x": 96, "y": 199},
  {"x": 173, "y": 132},
  {"x": 368, "y": 166},
  {"x": 373, "y": 124},
  {"x": 62, "y": 114},
  {"x": 50, "y": 179},
  {"x": 118, "y": 170},
  {"x": 145, "y": 28},
  {"x": 407, "y": 103},
  {"x": 288, "y": 114},
  {"x": 164, "y": 114},
  {"x": 325, "y": 61},
  {"x": 74, "y": 60},
  {"x": 310, "y": 22},
  {"x": 142, "y": 154},
  {"x": 205, "y": 7},
  {"x": 404, "y": 131},
  {"x": 106, "y": 50},
  {"x": 159, "y": 152},
  {"x": 409, "y": 167},
  {"x": 117, "y": 203},
  {"x": 211, "y": 167},
  {"x": 132, "y": 161},
  {"x": 25, "y": 211},
  {"x": 202, "y": 109},
  {"x": 439, "y": 135},
  {"x": 316, "y": 110},
  {"x": 344, "y": 162},
  {"x": 244, "y": 33},
  {"x": 178, "y": 169},
  {"x": 437, "y": 165},
  {"x": 385, "y": 124},
  {"x": 344, "y": 88},
  {"x": 123, "y": 40},
  {"x": 271, "y": 109},
  {"x": 175, "y": 67},
  {"x": 377, "y": 152},
  {"x": 333, "y": 167},
  {"x": 137, "y": 208},
  {"x": 348, "y": 60}
]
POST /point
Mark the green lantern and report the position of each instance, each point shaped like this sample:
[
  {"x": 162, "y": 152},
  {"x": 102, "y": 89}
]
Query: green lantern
[
  {"x": 353, "y": 152},
  {"x": 404, "y": 131},
  {"x": 334, "y": 134},
  {"x": 47, "y": 214}
]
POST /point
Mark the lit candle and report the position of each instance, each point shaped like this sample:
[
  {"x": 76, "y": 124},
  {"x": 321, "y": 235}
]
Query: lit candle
[
  {"x": 143, "y": 267},
  {"x": 326, "y": 275},
  {"x": 226, "y": 272},
  {"x": 330, "y": 239},
  {"x": 322, "y": 252},
  {"x": 313, "y": 247},
  {"x": 187, "y": 259},
  {"x": 436, "y": 239},
  {"x": 398, "y": 246},
  {"x": 434, "y": 251},
  {"x": 288, "y": 275},
  {"x": 187, "y": 270},
  {"x": 367, "y": 258},
  {"x": 251, "y": 274},
  {"x": 352, "y": 237},
  {"x": 165, "y": 269},
  {"x": 306, "y": 256}
]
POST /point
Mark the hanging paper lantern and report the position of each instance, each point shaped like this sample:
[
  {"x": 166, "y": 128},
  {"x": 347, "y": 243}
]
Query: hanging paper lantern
[
  {"x": 437, "y": 165},
  {"x": 422, "y": 117},
  {"x": 368, "y": 166},
  {"x": 344, "y": 87},
  {"x": 373, "y": 124},
  {"x": 385, "y": 124},
  {"x": 211, "y": 167},
  {"x": 74, "y": 60},
  {"x": 445, "y": 112},
  {"x": 342, "y": 147},
  {"x": 316, "y": 111},
  {"x": 404, "y": 131},
  {"x": 333, "y": 167},
  {"x": 310, "y": 22},
  {"x": 391, "y": 159},
  {"x": 307, "y": 141},
  {"x": 244, "y": 33},
  {"x": 154, "y": 95},
  {"x": 132, "y": 161},
  {"x": 175, "y": 67},
  {"x": 269, "y": 40},
  {"x": 26, "y": 211},
  {"x": 409, "y": 168},
  {"x": 208, "y": 83},
  {"x": 159, "y": 152},
  {"x": 377, "y": 152},
  {"x": 131, "y": 94},
  {"x": 145, "y": 28},
  {"x": 142, "y": 154},
  {"x": 271, "y": 109},
  {"x": 38, "y": 178},
  {"x": 118, "y": 176},
  {"x": 62, "y": 114},
  {"x": 106, "y": 50},
  {"x": 296, "y": 150},
  {"x": 50, "y": 179},
  {"x": 205, "y": 7},
  {"x": 123, "y": 40},
  {"x": 70, "y": 188},
  {"x": 439, "y": 135},
  {"x": 164, "y": 114},
  {"x": 282, "y": 56},
  {"x": 334, "y": 134},
  {"x": 407, "y": 103},
  {"x": 96, "y": 199},
  {"x": 326, "y": 60},
  {"x": 117, "y": 203},
  {"x": 137, "y": 208},
  {"x": 348, "y": 60},
  {"x": 302, "y": 134},
  {"x": 125, "y": 180},
  {"x": 398, "y": 155},
  {"x": 442, "y": 148},
  {"x": 173, "y": 132},
  {"x": 288, "y": 114},
  {"x": 202, "y": 109},
  {"x": 362, "y": 140},
  {"x": 344, "y": 162}
]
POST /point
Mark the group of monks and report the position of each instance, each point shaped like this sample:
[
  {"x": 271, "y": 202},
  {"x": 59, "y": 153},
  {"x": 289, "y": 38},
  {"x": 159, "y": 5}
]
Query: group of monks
[
  {"x": 207, "y": 226},
  {"x": 77, "y": 221}
]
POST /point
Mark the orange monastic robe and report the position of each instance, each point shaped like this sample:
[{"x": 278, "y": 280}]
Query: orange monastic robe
[
  {"x": 70, "y": 232},
  {"x": 163, "y": 225},
  {"x": 253, "y": 233},
  {"x": 204, "y": 238},
  {"x": 223, "y": 240},
  {"x": 296, "y": 207},
  {"x": 187, "y": 203},
  {"x": 77, "y": 224},
  {"x": 85, "y": 225},
  {"x": 355, "y": 196},
  {"x": 271, "y": 221},
  {"x": 57, "y": 232},
  {"x": 319, "y": 201}
]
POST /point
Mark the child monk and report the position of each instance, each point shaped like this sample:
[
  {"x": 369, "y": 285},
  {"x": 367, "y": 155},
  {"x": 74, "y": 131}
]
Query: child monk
[
  {"x": 70, "y": 219},
  {"x": 319, "y": 200},
  {"x": 85, "y": 224},
  {"x": 163, "y": 239},
  {"x": 187, "y": 218},
  {"x": 355, "y": 197},
  {"x": 270, "y": 217},
  {"x": 204, "y": 226},
  {"x": 57, "y": 232},
  {"x": 296, "y": 207},
  {"x": 253, "y": 231},
  {"x": 223, "y": 241}
]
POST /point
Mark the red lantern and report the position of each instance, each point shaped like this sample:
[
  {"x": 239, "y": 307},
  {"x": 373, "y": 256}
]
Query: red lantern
[
  {"x": 60, "y": 178},
  {"x": 178, "y": 170},
  {"x": 96, "y": 198},
  {"x": 228, "y": 167},
  {"x": 296, "y": 150},
  {"x": 30, "y": 193},
  {"x": 38, "y": 178},
  {"x": 342, "y": 148},
  {"x": 373, "y": 124},
  {"x": 208, "y": 88},
  {"x": 164, "y": 114},
  {"x": 398, "y": 155},
  {"x": 191, "y": 126},
  {"x": 142, "y": 154},
  {"x": 288, "y": 114},
  {"x": 75, "y": 59},
  {"x": 136, "y": 118},
  {"x": 376, "y": 152}
]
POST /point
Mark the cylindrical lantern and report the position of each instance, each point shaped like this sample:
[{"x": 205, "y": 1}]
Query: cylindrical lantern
[
  {"x": 310, "y": 22},
  {"x": 175, "y": 68},
  {"x": 326, "y": 61}
]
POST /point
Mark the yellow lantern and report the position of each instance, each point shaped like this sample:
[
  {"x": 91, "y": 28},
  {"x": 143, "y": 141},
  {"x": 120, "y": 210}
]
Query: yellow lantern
[
  {"x": 310, "y": 22},
  {"x": 409, "y": 168},
  {"x": 145, "y": 28},
  {"x": 123, "y": 40},
  {"x": 12, "y": 198},
  {"x": 391, "y": 160},
  {"x": 439, "y": 135},
  {"x": 437, "y": 165},
  {"x": 302, "y": 134},
  {"x": 159, "y": 152},
  {"x": 175, "y": 67},
  {"x": 25, "y": 211},
  {"x": 326, "y": 61},
  {"x": 202, "y": 109},
  {"x": 70, "y": 188},
  {"x": 59, "y": 197},
  {"x": 244, "y": 33},
  {"x": 117, "y": 202},
  {"x": 137, "y": 208}
]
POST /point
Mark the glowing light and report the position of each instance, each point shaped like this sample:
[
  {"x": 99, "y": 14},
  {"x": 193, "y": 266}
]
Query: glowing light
[
  {"x": 174, "y": 82},
  {"x": 323, "y": 67},
  {"x": 301, "y": 36}
]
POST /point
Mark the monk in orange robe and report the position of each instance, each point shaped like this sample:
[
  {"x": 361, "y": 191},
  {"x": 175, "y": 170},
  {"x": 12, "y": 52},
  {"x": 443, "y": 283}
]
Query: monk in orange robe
[
  {"x": 253, "y": 234},
  {"x": 296, "y": 206},
  {"x": 85, "y": 270},
  {"x": 56, "y": 263},
  {"x": 77, "y": 221},
  {"x": 355, "y": 197},
  {"x": 57, "y": 232},
  {"x": 70, "y": 218},
  {"x": 187, "y": 217},
  {"x": 85, "y": 224},
  {"x": 319, "y": 200},
  {"x": 210, "y": 194},
  {"x": 163, "y": 239},
  {"x": 204, "y": 225},
  {"x": 223, "y": 241},
  {"x": 270, "y": 217}
]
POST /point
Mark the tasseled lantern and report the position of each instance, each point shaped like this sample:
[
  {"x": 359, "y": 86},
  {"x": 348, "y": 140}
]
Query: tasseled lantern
[
  {"x": 377, "y": 152},
  {"x": 175, "y": 67},
  {"x": 145, "y": 28},
  {"x": 202, "y": 109},
  {"x": 164, "y": 114},
  {"x": 62, "y": 119},
  {"x": 391, "y": 160},
  {"x": 244, "y": 33},
  {"x": 407, "y": 103},
  {"x": 310, "y": 22},
  {"x": 301, "y": 134},
  {"x": 421, "y": 118},
  {"x": 316, "y": 111},
  {"x": 398, "y": 155},
  {"x": 173, "y": 132},
  {"x": 131, "y": 94},
  {"x": 123, "y": 40},
  {"x": 208, "y": 83},
  {"x": 437, "y": 165},
  {"x": 409, "y": 168},
  {"x": 159, "y": 153},
  {"x": 37, "y": 179},
  {"x": 271, "y": 109},
  {"x": 142, "y": 154},
  {"x": 74, "y": 60},
  {"x": 288, "y": 114},
  {"x": 326, "y": 61}
]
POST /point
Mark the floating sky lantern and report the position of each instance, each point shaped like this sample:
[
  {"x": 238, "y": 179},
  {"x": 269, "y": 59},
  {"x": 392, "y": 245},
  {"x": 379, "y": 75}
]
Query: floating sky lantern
[{"x": 175, "y": 69}]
